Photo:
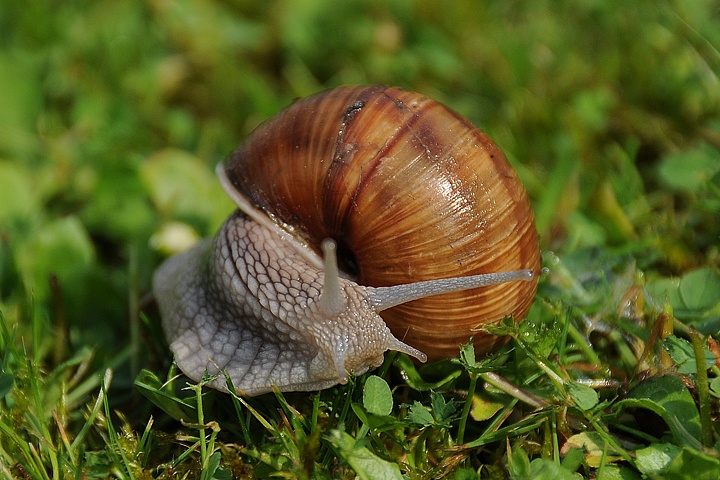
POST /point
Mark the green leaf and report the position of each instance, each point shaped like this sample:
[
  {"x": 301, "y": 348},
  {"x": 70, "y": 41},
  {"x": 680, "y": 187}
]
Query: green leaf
[
  {"x": 214, "y": 471},
  {"x": 212, "y": 465},
  {"x": 666, "y": 290},
  {"x": 7, "y": 382},
  {"x": 420, "y": 414},
  {"x": 377, "y": 398},
  {"x": 670, "y": 462},
  {"x": 572, "y": 458},
  {"x": 521, "y": 467},
  {"x": 700, "y": 289},
  {"x": 543, "y": 469},
  {"x": 682, "y": 353},
  {"x": 442, "y": 411},
  {"x": 222, "y": 474},
  {"x": 519, "y": 464},
  {"x": 540, "y": 335},
  {"x": 466, "y": 474},
  {"x": 366, "y": 464},
  {"x": 618, "y": 472},
  {"x": 655, "y": 458},
  {"x": 668, "y": 397},
  {"x": 585, "y": 398},
  {"x": 485, "y": 406},
  {"x": 469, "y": 361},
  {"x": 689, "y": 170},
  {"x": 715, "y": 386},
  {"x": 61, "y": 248},
  {"x": 693, "y": 296},
  {"x": 596, "y": 448},
  {"x": 467, "y": 354}
]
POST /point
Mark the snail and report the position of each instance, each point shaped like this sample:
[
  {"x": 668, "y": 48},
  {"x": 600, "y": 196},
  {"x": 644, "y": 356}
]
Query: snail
[{"x": 351, "y": 202}]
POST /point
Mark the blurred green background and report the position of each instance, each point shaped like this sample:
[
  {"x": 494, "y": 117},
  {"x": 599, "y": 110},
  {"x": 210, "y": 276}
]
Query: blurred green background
[{"x": 113, "y": 114}]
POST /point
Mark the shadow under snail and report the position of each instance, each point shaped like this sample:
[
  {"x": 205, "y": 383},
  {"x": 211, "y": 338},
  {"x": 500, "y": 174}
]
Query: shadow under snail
[{"x": 409, "y": 192}]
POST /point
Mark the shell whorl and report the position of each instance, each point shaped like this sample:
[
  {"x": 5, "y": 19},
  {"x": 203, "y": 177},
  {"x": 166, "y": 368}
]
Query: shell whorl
[{"x": 410, "y": 191}]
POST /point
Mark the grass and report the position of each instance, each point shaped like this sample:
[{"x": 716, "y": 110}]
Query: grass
[{"x": 113, "y": 115}]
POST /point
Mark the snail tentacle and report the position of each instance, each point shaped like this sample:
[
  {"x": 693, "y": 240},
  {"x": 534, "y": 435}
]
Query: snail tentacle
[
  {"x": 331, "y": 299},
  {"x": 388, "y": 297}
]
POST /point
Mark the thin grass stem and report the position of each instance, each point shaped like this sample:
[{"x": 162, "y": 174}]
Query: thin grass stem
[
  {"x": 466, "y": 408},
  {"x": 701, "y": 383}
]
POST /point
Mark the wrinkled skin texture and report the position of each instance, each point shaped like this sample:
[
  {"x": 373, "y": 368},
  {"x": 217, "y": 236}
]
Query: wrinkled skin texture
[{"x": 247, "y": 303}]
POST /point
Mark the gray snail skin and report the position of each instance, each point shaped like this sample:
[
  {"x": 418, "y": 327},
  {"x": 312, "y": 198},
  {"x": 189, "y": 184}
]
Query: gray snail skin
[{"x": 421, "y": 211}]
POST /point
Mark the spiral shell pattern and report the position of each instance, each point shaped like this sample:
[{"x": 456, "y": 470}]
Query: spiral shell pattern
[{"x": 411, "y": 191}]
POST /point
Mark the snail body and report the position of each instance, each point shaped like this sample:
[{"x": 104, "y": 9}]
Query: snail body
[{"x": 409, "y": 191}]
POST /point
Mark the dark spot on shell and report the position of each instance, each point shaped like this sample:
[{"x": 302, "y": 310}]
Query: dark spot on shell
[{"x": 353, "y": 109}]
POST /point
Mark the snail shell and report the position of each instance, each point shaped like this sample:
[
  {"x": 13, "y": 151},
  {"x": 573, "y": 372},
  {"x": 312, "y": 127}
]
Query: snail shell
[{"x": 408, "y": 189}]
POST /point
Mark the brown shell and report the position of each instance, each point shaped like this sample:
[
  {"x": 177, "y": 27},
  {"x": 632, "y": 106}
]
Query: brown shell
[{"x": 411, "y": 191}]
